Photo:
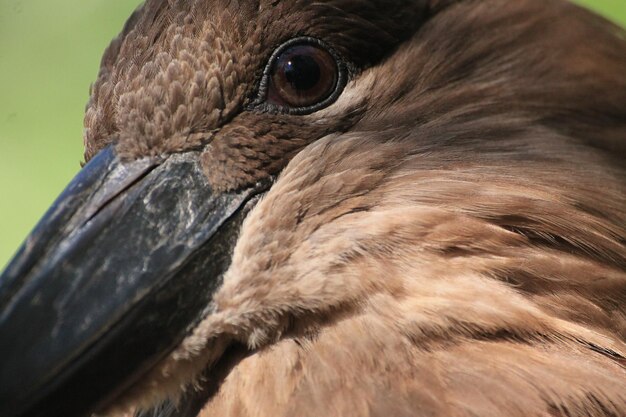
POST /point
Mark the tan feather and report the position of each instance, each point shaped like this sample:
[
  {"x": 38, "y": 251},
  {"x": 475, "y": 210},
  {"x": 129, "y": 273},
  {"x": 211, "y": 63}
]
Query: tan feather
[{"x": 447, "y": 239}]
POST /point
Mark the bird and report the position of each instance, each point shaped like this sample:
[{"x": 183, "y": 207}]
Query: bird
[{"x": 335, "y": 208}]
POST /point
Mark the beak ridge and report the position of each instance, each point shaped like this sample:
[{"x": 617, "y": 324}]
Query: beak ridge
[{"x": 114, "y": 276}]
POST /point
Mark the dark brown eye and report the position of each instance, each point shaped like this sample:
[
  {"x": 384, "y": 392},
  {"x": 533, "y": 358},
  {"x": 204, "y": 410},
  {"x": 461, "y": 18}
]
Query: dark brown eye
[{"x": 303, "y": 76}]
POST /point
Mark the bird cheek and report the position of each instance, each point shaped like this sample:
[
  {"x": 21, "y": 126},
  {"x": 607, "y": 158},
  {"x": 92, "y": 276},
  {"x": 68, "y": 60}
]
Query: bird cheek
[{"x": 239, "y": 156}]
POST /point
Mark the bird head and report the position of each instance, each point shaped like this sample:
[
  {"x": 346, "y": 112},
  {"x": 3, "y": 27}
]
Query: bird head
[{"x": 257, "y": 171}]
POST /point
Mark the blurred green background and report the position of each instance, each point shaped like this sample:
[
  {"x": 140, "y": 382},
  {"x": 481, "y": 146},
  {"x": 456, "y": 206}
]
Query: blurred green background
[{"x": 49, "y": 54}]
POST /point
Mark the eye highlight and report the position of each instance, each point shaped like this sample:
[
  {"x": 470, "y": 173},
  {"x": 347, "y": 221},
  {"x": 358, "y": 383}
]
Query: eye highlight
[{"x": 303, "y": 76}]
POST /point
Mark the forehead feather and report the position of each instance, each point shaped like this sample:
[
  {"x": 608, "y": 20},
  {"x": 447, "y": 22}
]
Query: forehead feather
[{"x": 181, "y": 69}]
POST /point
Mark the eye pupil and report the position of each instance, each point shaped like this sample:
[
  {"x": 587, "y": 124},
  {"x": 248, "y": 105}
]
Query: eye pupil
[
  {"x": 303, "y": 77},
  {"x": 302, "y": 72}
]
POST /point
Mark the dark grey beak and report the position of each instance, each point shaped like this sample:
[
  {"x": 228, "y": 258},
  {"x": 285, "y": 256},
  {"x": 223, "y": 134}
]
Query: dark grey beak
[{"x": 115, "y": 275}]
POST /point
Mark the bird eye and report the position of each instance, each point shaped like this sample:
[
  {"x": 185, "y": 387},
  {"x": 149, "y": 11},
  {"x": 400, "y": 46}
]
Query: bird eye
[{"x": 303, "y": 76}]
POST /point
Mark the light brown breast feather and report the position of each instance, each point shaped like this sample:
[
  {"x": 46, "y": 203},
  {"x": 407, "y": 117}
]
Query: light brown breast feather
[{"x": 459, "y": 249}]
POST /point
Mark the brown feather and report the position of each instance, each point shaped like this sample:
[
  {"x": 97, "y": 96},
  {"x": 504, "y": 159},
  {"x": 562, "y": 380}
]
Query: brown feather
[{"x": 447, "y": 239}]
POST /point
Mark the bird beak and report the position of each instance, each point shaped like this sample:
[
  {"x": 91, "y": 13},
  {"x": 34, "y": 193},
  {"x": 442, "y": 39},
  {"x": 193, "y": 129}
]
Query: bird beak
[{"x": 115, "y": 275}]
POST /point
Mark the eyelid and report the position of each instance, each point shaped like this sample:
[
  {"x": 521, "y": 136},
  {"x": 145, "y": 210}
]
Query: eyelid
[{"x": 260, "y": 104}]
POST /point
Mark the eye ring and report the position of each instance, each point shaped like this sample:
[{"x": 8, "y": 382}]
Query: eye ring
[{"x": 266, "y": 87}]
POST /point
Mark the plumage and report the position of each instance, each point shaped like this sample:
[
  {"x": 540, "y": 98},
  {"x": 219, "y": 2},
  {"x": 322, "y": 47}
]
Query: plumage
[{"x": 448, "y": 238}]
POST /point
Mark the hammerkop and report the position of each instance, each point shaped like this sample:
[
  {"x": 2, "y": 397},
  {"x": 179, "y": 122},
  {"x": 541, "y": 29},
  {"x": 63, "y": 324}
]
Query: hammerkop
[{"x": 335, "y": 208}]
